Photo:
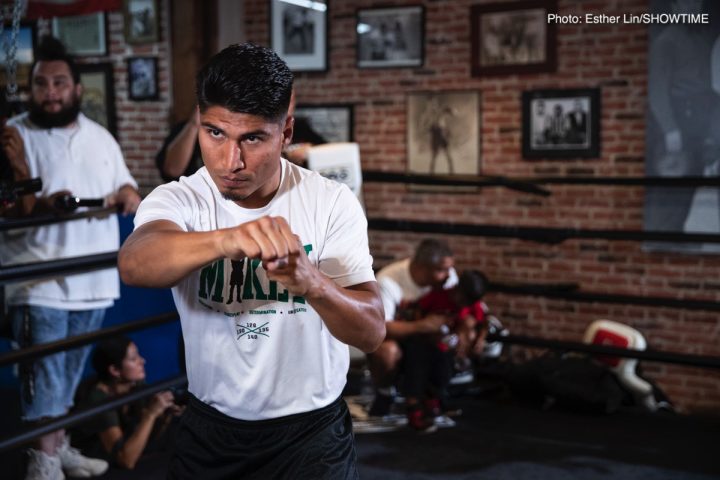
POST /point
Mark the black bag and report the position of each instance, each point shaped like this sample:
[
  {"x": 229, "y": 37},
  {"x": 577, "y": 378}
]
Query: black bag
[{"x": 575, "y": 383}]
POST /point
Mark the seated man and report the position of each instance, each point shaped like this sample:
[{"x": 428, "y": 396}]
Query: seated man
[{"x": 402, "y": 283}]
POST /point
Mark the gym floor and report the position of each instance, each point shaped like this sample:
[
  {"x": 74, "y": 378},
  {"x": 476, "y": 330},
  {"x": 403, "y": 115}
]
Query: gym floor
[{"x": 498, "y": 438}]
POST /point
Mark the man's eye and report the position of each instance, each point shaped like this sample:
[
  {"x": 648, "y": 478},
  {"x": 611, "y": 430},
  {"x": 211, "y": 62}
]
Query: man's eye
[
  {"x": 214, "y": 132},
  {"x": 252, "y": 139}
]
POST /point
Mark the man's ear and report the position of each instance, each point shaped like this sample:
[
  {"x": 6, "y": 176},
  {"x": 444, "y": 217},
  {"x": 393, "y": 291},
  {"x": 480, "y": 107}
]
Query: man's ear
[
  {"x": 288, "y": 130},
  {"x": 78, "y": 90}
]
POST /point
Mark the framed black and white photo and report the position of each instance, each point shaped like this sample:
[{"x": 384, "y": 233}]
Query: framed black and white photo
[
  {"x": 24, "y": 56},
  {"x": 298, "y": 33},
  {"x": 143, "y": 78},
  {"x": 82, "y": 35},
  {"x": 141, "y": 21},
  {"x": 561, "y": 123},
  {"x": 98, "y": 99},
  {"x": 443, "y": 133},
  {"x": 511, "y": 38},
  {"x": 333, "y": 123},
  {"x": 390, "y": 37}
]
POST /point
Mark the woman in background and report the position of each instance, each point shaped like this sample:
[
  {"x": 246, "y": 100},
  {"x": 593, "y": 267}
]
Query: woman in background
[{"x": 125, "y": 433}]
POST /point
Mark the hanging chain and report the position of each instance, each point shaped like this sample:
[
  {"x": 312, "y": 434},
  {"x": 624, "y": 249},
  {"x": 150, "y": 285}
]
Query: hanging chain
[{"x": 10, "y": 45}]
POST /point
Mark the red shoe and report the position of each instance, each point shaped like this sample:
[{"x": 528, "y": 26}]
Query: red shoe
[
  {"x": 433, "y": 407},
  {"x": 418, "y": 422}
]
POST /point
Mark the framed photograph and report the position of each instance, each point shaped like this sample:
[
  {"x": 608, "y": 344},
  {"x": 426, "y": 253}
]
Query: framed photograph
[
  {"x": 333, "y": 123},
  {"x": 390, "y": 37},
  {"x": 141, "y": 21},
  {"x": 443, "y": 133},
  {"x": 561, "y": 123},
  {"x": 298, "y": 33},
  {"x": 25, "y": 55},
  {"x": 98, "y": 99},
  {"x": 83, "y": 35},
  {"x": 143, "y": 78},
  {"x": 509, "y": 38}
]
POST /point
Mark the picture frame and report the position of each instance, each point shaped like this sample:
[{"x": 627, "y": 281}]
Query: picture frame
[
  {"x": 141, "y": 21},
  {"x": 390, "y": 37},
  {"x": 513, "y": 38},
  {"x": 332, "y": 122},
  {"x": 82, "y": 35},
  {"x": 299, "y": 32},
  {"x": 561, "y": 123},
  {"x": 143, "y": 78},
  {"x": 25, "y": 55},
  {"x": 443, "y": 134},
  {"x": 98, "y": 99}
]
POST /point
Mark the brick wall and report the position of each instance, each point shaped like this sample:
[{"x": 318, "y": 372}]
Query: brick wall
[
  {"x": 611, "y": 57},
  {"x": 142, "y": 125}
]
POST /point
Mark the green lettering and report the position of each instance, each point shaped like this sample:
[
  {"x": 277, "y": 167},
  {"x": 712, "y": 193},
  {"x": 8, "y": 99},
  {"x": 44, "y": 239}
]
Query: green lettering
[
  {"x": 273, "y": 290},
  {"x": 212, "y": 276}
]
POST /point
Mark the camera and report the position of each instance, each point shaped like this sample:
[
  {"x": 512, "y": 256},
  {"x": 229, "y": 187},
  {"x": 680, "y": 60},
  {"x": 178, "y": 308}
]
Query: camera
[
  {"x": 69, "y": 203},
  {"x": 9, "y": 190}
]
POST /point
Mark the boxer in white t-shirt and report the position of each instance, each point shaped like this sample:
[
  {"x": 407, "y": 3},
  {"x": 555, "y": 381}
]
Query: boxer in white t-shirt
[{"x": 266, "y": 372}]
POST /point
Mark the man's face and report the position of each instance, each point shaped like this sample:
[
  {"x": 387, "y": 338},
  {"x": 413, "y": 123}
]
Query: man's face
[
  {"x": 435, "y": 275},
  {"x": 242, "y": 154},
  {"x": 55, "y": 99}
]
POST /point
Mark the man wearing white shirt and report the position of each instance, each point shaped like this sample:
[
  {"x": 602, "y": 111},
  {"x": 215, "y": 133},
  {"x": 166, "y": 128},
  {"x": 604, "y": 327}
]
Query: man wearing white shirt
[
  {"x": 266, "y": 371},
  {"x": 72, "y": 155},
  {"x": 401, "y": 284}
]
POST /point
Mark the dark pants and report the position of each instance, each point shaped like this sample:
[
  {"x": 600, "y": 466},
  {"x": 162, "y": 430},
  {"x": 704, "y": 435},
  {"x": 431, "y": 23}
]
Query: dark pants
[
  {"x": 426, "y": 368},
  {"x": 314, "y": 445}
]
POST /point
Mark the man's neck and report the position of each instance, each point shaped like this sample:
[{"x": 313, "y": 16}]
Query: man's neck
[{"x": 415, "y": 274}]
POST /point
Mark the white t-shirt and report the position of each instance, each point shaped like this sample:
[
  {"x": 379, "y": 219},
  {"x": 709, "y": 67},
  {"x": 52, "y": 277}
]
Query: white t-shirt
[
  {"x": 86, "y": 160},
  {"x": 270, "y": 355},
  {"x": 397, "y": 288}
]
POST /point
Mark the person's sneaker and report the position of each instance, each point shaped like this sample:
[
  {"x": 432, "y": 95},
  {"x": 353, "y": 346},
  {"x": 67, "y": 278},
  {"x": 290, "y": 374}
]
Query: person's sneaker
[
  {"x": 42, "y": 466},
  {"x": 443, "y": 421},
  {"x": 435, "y": 411},
  {"x": 418, "y": 422},
  {"x": 381, "y": 405},
  {"x": 462, "y": 378},
  {"x": 77, "y": 465}
]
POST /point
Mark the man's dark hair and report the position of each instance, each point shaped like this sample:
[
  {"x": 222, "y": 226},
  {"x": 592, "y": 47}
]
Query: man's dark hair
[
  {"x": 473, "y": 285},
  {"x": 246, "y": 78},
  {"x": 110, "y": 352},
  {"x": 50, "y": 49},
  {"x": 431, "y": 252}
]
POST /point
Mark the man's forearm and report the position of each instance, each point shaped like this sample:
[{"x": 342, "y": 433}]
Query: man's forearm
[
  {"x": 179, "y": 151},
  {"x": 353, "y": 315},
  {"x": 161, "y": 258}
]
